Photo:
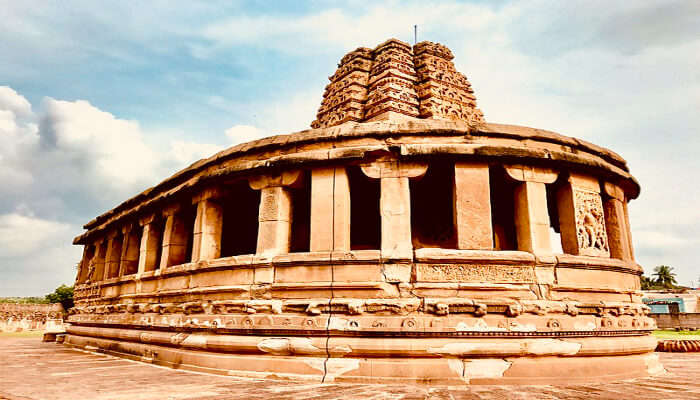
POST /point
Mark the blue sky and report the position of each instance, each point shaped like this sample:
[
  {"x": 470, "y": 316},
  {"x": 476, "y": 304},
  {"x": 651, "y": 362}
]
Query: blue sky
[{"x": 99, "y": 100}]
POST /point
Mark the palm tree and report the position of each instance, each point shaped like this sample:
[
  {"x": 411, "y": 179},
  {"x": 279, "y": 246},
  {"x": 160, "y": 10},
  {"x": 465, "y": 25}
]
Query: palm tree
[{"x": 665, "y": 276}]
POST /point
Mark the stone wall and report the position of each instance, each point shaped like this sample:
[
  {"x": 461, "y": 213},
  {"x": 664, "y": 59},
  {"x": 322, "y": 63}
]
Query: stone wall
[
  {"x": 680, "y": 320},
  {"x": 29, "y": 317}
]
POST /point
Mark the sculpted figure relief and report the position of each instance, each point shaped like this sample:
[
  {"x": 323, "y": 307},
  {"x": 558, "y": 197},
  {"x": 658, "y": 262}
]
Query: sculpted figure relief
[{"x": 590, "y": 221}]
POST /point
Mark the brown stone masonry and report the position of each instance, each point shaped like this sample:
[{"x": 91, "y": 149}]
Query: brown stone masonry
[{"x": 403, "y": 239}]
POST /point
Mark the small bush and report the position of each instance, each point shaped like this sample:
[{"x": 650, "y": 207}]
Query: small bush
[{"x": 63, "y": 294}]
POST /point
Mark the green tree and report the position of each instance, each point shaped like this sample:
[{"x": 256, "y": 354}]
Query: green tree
[
  {"x": 647, "y": 283},
  {"x": 63, "y": 294},
  {"x": 665, "y": 276}
]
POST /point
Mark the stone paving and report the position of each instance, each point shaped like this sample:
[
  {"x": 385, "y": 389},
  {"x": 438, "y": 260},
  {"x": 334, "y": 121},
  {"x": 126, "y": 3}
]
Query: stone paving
[{"x": 30, "y": 369}]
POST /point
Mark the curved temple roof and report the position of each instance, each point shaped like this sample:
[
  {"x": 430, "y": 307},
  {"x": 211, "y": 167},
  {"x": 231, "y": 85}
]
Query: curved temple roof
[{"x": 390, "y": 91}]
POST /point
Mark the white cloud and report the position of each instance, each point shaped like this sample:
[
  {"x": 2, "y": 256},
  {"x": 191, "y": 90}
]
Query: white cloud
[
  {"x": 660, "y": 240},
  {"x": 114, "y": 147},
  {"x": 243, "y": 133},
  {"x": 72, "y": 160},
  {"x": 333, "y": 28},
  {"x": 622, "y": 75},
  {"x": 184, "y": 152},
  {"x": 14, "y": 102},
  {"x": 22, "y": 235}
]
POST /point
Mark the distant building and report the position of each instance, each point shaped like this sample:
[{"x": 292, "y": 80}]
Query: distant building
[{"x": 664, "y": 302}]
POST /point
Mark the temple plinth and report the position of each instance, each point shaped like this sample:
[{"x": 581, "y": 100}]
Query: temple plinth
[{"x": 401, "y": 239}]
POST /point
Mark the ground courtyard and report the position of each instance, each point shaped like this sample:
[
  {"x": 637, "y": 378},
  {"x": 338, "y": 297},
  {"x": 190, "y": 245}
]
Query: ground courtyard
[{"x": 30, "y": 369}]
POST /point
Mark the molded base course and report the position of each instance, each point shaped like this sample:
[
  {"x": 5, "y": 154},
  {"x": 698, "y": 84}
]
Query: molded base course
[{"x": 443, "y": 371}]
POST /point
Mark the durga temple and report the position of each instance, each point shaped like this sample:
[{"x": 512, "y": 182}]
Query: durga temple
[{"x": 401, "y": 239}]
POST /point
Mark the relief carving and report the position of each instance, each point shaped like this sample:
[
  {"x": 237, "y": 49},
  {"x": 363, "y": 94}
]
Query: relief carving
[
  {"x": 419, "y": 81},
  {"x": 475, "y": 273},
  {"x": 590, "y": 221}
]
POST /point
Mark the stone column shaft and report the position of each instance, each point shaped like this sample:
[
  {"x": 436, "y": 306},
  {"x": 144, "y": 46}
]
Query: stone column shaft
[
  {"x": 330, "y": 210},
  {"x": 531, "y": 218},
  {"x": 114, "y": 251},
  {"x": 207, "y": 230},
  {"x": 395, "y": 204},
  {"x": 99, "y": 261},
  {"x": 630, "y": 242},
  {"x": 150, "y": 246},
  {"x": 531, "y": 215},
  {"x": 275, "y": 214},
  {"x": 130, "y": 251},
  {"x": 275, "y": 221},
  {"x": 395, "y": 209},
  {"x": 616, "y": 223},
  {"x": 84, "y": 264},
  {"x": 472, "y": 206},
  {"x": 174, "y": 241}
]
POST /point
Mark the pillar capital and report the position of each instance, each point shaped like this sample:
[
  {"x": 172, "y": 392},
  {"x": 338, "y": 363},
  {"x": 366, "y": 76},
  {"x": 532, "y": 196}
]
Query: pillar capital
[
  {"x": 393, "y": 168},
  {"x": 614, "y": 191},
  {"x": 584, "y": 182},
  {"x": 285, "y": 178},
  {"x": 527, "y": 173},
  {"x": 171, "y": 209},
  {"x": 207, "y": 194},
  {"x": 127, "y": 228},
  {"x": 147, "y": 219}
]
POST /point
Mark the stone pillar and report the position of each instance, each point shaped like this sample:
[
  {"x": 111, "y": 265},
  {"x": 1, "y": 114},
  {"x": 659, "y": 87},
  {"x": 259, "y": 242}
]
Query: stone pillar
[
  {"x": 96, "y": 273},
  {"x": 206, "y": 243},
  {"x": 130, "y": 250},
  {"x": 616, "y": 222},
  {"x": 472, "y": 206},
  {"x": 85, "y": 262},
  {"x": 581, "y": 217},
  {"x": 149, "y": 257},
  {"x": 113, "y": 258},
  {"x": 395, "y": 204},
  {"x": 630, "y": 242},
  {"x": 275, "y": 216},
  {"x": 330, "y": 209},
  {"x": 531, "y": 215},
  {"x": 174, "y": 238}
]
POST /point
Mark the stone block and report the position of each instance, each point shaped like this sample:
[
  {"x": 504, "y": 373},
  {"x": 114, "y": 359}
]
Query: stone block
[
  {"x": 532, "y": 218},
  {"x": 330, "y": 210},
  {"x": 472, "y": 203}
]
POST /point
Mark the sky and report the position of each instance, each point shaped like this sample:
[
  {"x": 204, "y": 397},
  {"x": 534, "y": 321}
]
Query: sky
[{"x": 100, "y": 100}]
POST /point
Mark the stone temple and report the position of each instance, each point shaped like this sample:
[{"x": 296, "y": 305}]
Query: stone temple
[{"x": 402, "y": 239}]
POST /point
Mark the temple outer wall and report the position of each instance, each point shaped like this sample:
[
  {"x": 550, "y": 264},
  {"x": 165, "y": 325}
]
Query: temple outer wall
[
  {"x": 28, "y": 317},
  {"x": 468, "y": 295},
  {"x": 679, "y": 320}
]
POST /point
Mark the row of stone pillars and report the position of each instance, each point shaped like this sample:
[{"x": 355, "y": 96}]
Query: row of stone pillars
[{"x": 590, "y": 224}]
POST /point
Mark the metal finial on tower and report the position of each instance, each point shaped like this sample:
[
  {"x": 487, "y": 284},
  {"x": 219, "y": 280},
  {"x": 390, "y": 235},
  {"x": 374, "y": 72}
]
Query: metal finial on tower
[{"x": 415, "y": 34}]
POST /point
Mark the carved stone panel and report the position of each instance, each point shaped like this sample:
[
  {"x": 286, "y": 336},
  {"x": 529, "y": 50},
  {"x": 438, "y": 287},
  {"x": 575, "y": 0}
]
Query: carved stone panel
[
  {"x": 582, "y": 217},
  {"x": 590, "y": 222},
  {"x": 475, "y": 273}
]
